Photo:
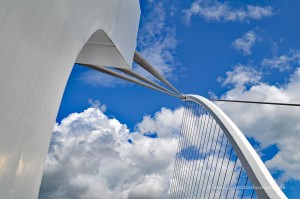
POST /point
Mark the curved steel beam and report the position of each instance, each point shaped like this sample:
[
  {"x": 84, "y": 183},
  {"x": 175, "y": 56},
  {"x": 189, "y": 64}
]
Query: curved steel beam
[
  {"x": 148, "y": 67},
  {"x": 264, "y": 184},
  {"x": 127, "y": 78},
  {"x": 144, "y": 79}
]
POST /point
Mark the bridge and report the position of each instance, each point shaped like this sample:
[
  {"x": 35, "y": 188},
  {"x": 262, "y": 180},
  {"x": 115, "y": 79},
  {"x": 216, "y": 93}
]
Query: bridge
[
  {"x": 39, "y": 43},
  {"x": 214, "y": 159}
]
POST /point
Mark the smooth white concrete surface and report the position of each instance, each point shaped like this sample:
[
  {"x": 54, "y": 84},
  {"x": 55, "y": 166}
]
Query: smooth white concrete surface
[{"x": 39, "y": 43}]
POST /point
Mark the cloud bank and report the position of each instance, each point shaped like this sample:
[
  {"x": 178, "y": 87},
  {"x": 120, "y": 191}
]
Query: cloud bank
[{"x": 93, "y": 156}]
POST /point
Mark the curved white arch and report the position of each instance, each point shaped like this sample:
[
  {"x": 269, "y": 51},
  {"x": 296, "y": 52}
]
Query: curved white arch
[
  {"x": 259, "y": 175},
  {"x": 40, "y": 40}
]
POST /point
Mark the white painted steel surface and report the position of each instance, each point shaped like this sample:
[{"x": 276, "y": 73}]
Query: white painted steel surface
[
  {"x": 39, "y": 43},
  {"x": 257, "y": 172}
]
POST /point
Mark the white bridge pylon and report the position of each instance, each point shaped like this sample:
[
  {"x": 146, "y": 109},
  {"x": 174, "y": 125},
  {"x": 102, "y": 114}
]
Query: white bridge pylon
[{"x": 40, "y": 41}]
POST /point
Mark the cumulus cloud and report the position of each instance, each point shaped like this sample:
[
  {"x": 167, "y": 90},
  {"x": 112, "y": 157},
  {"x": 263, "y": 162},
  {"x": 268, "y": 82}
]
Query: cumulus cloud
[
  {"x": 245, "y": 43},
  {"x": 217, "y": 11},
  {"x": 283, "y": 62},
  {"x": 93, "y": 156},
  {"x": 162, "y": 123},
  {"x": 269, "y": 125}
]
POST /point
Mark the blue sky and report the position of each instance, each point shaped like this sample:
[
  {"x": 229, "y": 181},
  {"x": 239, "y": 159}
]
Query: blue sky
[{"x": 227, "y": 49}]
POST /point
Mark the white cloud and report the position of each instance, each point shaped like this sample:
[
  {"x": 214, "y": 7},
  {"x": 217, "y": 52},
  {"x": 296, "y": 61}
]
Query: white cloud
[
  {"x": 162, "y": 123},
  {"x": 245, "y": 43},
  {"x": 269, "y": 125},
  {"x": 90, "y": 157},
  {"x": 217, "y": 11},
  {"x": 283, "y": 62},
  {"x": 240, "y": 76},
  {"x": 157, "y": 41},
  {"x": 96, "y": 104}
]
